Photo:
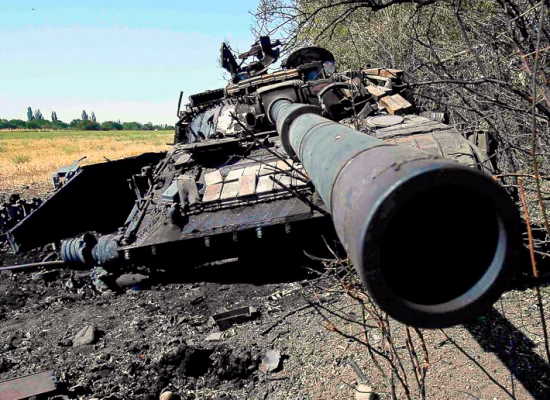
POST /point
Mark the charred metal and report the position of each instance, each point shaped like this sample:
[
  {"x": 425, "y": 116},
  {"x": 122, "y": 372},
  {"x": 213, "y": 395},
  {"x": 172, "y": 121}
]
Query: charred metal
[{"x": 279, "y": 158}]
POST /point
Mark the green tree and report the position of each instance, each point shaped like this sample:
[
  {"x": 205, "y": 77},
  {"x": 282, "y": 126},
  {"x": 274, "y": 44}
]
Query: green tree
[
  {"x": 132, "y": 126},
  {"x": 92, "y": 117},
  {"x": 33, "y": 124},
  {"x": 57, "y": 124},
  {"x": 54, "y": 116},
  {"x": 30, "y": 115},
  {"x": 38, "y": 114},
  {"x": 84, "y": 116},
  {"x": 17, "y": 124},
  {"x": 84, "y": 125},
  {"x": 111, "y": 126}
]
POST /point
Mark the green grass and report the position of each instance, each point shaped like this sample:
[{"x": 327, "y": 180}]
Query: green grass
[
  {"x": 20, "y": 159},
  {"x": 116, "y": 135}
]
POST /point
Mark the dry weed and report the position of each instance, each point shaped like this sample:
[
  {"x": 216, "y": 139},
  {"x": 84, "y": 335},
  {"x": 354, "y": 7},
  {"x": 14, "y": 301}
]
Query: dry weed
[{"x": 29, "y": 160}]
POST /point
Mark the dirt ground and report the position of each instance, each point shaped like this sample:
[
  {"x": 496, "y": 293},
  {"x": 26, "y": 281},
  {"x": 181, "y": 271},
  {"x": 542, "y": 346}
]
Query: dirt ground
[{"x": 155, "y": 337}]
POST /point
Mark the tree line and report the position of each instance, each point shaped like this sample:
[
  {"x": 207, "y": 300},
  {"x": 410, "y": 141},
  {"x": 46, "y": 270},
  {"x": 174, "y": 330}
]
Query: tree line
[{"x": 87, "y": 121}]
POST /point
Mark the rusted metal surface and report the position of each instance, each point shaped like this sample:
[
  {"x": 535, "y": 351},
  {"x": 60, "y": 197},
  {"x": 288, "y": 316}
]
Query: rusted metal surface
[
  {"x": 27, "y": 386},
  {"x": 229, "y": 318},
  {"x": 369, "y": 185},
  {"x": 96, "y": 198},
  {"x": 14, "y": 210}
]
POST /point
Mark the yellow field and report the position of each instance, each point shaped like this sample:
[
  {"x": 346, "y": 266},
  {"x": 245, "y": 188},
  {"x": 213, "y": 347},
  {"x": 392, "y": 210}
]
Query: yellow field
[{"x": 29, "y": 158}]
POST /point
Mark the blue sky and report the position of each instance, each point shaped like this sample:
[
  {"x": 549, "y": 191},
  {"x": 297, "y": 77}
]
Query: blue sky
[{"x": 122, "y": 59}]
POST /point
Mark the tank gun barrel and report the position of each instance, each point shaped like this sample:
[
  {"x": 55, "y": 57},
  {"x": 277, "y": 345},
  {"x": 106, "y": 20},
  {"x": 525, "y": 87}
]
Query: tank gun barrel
[{"x": 433, "y": 241}]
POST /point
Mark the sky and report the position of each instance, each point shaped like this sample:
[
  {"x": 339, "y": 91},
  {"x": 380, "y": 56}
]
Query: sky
[{"x": 124, "y": 60}]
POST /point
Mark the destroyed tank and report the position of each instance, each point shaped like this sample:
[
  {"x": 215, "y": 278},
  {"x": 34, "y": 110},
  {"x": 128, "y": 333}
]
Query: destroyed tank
[{"x": 277, "y": 159}]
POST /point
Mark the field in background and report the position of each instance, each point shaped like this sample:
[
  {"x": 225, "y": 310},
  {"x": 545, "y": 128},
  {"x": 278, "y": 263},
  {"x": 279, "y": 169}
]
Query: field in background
[{"x": 28, "y": 158}]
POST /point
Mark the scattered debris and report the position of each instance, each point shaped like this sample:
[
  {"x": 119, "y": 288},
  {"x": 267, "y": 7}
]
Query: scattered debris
[
  {"x": 214, "y": 337},
  {"x": 229, "y": 318},
  {"x": 394, "y": 103},
  {"x": 100, "y": 276},
  {"x": 130, "y": 280},
  {"x": 111, "y": 397},
  {"x": 288, "y": 314},
  {"x": 375, "y": 337},
  {"x": 78, "y": 390},
  {"x": 14, "y": 210},
  {"x": 168, "y": 396},
  {"x": 364, "y": 392},
  {"x": 270, "y": 361},
  {"x": 5, "y": 365},
  {"x": 196, "y": 300},
  {"x": 385, "y": 72},
  {"x": 65, "y": 342},
  {"x": 46, "y": 276},
  {"x": 27, "y": 386},
  {"x": 361, "y": 377},
  {"x": 86, "y": 335}
]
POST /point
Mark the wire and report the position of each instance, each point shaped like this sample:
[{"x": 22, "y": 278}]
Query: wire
[{"x": 32, "y": 265}]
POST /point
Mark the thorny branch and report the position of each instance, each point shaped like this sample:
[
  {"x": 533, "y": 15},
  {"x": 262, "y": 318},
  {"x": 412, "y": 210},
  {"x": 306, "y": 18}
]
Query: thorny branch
[{"x": 483, "y": 63}]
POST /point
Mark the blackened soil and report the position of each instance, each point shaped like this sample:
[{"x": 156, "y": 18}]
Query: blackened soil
[{"x": 147, "y": 340}]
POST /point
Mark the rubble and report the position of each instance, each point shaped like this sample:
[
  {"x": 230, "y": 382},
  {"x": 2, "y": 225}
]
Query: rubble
[
  {"x": 87, "y": 335},
  {"x": 130, "y": 280},
  {"x": 168, "y": 396},
  {"x": 5, "y": 365},
  {"x": 131, "y": 363},
  {"x": 229, "y": 318},
  {"x": 364, "y": 392},
  {"x": 45, "y": 276},
  {"x": 214, "y": 337},
  {"x": 270, "y": 361}
]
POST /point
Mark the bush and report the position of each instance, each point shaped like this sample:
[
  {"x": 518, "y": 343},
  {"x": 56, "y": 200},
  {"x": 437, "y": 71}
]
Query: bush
[
  {"x": 111, "y": 126},
  {"x": 79, "y": 124},
  {"x": 59, "y": 125},
  {"x": 38, "y": 124},
  {"x": 5, "y": 124},
  {"x": 85, "y": 125},
  {"x": 17, "y": 124},
  {"x": 132, "y": 126}
]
